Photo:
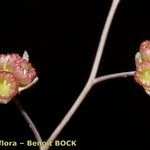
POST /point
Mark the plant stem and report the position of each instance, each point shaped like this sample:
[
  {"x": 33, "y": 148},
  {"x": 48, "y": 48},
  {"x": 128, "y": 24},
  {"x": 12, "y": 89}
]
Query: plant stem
[
  {"x": 29, "y": 85},
  {"x": 103, "y": 38},
  {"x": 92, "y": 76},
  {"x": 113, "y": 76},
  {"x": 68, "y": 116},
  {"x": 81, "y": 98},
  {"x": 29, "y": 121}
]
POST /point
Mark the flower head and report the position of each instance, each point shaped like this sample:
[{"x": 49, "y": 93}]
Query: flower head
[
  {"x": 7, "y": 61},
  {"x": 142, "y": 74},
  {"x": 8, "y": 86},
  {"x": 24, "y": 71},
  {"x": 16, "y": 74}
]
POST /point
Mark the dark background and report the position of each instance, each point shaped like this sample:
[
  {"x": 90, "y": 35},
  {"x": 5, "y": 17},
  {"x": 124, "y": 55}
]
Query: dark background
[{"x": 61, "y": 38}]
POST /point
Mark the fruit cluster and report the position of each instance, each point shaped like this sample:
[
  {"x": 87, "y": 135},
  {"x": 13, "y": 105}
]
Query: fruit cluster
[
  {"x": 15, "y": 72},
  {"x": 142, "y": 60}
]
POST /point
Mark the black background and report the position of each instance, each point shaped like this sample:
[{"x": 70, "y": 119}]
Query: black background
[{"x": 61, "y": 38}]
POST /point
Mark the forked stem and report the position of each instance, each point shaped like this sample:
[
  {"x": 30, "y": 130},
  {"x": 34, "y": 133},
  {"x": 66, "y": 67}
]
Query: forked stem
[
  {"x": 73, "y": 108},
  {"x": 81, "y": 98},
  {"x": 92, "y": 76}
]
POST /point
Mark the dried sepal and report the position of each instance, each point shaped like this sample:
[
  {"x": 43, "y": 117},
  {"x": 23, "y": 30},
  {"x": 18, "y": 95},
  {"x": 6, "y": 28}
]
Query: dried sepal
[
  {"x": 138, "y": 59},
  {"x": 147, "y": 91},
  {"x": 25, "y": 56}
]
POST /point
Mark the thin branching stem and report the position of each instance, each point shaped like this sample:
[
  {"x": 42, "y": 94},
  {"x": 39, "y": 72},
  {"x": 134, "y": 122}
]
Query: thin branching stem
[
  {"x": 92, "y": 76},
  {"x": 113, "y": 76},
  {"x": 28, "y": 120},
  {"x": 68, "y": 116}
]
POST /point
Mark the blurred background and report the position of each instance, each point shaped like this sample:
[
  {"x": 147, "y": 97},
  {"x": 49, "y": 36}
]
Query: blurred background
[{"x": 61, "y": 38}]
